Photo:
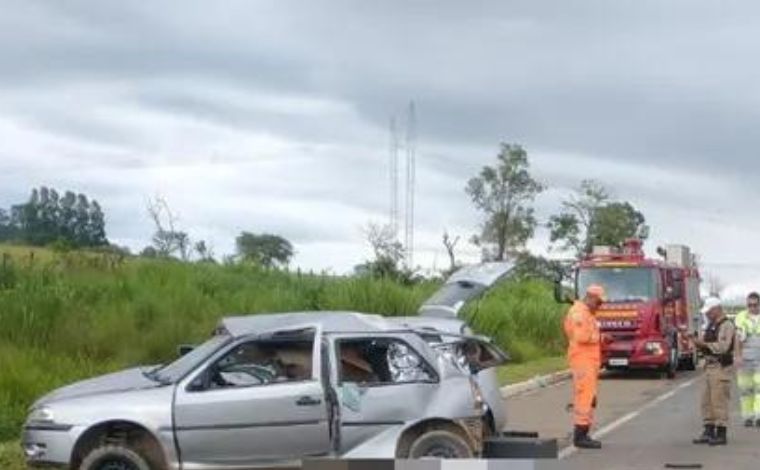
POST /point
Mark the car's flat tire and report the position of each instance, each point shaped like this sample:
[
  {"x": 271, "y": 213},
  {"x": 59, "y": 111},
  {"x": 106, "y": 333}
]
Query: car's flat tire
[
  {"x": 440, "y": 444},
  {"x": 114, "y": 457}
]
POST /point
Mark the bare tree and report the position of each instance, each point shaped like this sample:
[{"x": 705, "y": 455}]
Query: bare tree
[
  {"x": 450, "y": 245},
  {"x": 167, "y": 240},
  {"x": 388, "y": 252},
  {"x": 383, "y": 242},
  {"x": 204, "y": 251}
]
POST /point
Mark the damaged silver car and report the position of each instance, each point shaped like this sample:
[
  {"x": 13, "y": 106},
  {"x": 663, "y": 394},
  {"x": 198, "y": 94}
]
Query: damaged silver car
[
  {"x": 274, "y": 388},
  {"x": 443, "y": 312}
]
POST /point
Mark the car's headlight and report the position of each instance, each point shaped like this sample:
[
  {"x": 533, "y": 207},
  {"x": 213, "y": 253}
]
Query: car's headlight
[{"x": 42, "y": 414}]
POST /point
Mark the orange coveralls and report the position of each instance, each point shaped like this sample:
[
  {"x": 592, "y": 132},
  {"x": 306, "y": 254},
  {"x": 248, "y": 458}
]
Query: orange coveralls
[{"x": 584, "y": 359}]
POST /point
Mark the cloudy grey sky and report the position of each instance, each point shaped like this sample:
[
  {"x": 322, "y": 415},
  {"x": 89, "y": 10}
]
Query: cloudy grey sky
[{"x": 273, "y": 115}]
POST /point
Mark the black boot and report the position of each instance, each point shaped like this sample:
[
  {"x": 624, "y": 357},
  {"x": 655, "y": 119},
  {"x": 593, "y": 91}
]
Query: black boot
[
  {"x": 757, "y": 423},
  {"x": 707, "y": 435},
  {"x": 720, "y": 437},
  {"x": 748, "y": 423},
  {"x": 582, "y": 440}
]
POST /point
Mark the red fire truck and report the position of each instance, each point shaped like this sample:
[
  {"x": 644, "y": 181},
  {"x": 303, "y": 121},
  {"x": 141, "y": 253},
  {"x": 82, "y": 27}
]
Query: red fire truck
[{"x": 651, "y": 305}]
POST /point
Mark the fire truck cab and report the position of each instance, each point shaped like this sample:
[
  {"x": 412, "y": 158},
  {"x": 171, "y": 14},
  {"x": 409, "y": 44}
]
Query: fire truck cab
[{"x": 651, "y": 305}]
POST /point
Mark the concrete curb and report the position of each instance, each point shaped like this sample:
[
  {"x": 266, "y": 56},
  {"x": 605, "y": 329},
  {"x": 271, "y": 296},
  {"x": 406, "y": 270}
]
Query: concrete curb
[{"x": 535, "y": 383}]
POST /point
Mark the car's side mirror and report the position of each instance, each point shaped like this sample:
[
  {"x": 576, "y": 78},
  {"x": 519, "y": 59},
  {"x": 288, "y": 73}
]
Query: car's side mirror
[
  {"x": 183, "y": 349},
  {"x": 200, "y": 383}
]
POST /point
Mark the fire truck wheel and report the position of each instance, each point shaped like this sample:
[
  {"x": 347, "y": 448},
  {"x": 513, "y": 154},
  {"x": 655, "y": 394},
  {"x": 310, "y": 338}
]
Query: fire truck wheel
[
  {"x": 690, "y": 362},
  {"x": 672, "y": 367}
]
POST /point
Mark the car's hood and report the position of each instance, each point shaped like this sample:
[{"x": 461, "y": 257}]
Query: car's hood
[
  {"x": 464, "y": 286},
  {"x": 122, "y": 381}
]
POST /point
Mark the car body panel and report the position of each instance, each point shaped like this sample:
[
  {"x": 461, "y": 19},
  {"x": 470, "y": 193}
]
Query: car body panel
[
  {"x": 246, "y": 425},
  {"x": 464, "y": 286},
  {"x": 225, "y": 428},
  {"x": 442, "y": 312}
]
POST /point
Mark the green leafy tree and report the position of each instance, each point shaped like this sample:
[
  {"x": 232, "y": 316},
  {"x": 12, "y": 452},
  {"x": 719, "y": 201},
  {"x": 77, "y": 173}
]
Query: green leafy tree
[
  {"x": 47, "y": 218},
  {"x": 504, "y": 194},
  {"x": 529, "y": 266},
  {"x": 265, "y": 249},
  {"x": 7, "y": 230},
  {"x": 68, "y": 214},
  {"x": 96, "y": 227},
  {"x": 614, "y": 222},
  {"x": 149, "y": 252},
  {"x": 590, "y": 218},
  {"x": 570, "y": 230},
  {"x": 81, "y": 220}
]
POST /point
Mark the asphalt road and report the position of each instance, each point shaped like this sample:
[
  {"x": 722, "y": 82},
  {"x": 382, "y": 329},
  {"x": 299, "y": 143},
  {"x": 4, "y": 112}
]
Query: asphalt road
[{"x": 644, "y": 423}]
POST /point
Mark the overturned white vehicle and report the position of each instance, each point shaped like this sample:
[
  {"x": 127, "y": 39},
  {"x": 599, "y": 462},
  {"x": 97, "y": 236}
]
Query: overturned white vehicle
[{"x": 283, "y": 388}]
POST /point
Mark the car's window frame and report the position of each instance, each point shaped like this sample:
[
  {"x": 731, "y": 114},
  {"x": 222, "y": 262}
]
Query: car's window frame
[
  {"x": 339, "y": 365},
  {"x": 226, "y": 340},
  {"x": 222, "y": 353}
]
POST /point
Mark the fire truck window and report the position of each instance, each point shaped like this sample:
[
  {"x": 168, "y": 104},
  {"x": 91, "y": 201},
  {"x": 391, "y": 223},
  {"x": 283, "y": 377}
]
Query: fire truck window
[{"x": 622, "y": 284}]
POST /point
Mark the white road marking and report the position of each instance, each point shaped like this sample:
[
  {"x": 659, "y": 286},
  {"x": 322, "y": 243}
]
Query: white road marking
[{"x": 570, "y": 450}]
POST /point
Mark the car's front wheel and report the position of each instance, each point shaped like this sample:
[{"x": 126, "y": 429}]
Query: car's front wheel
[
  {"x": 440, "y": 445},
  {"x": 114, "y": 457}
]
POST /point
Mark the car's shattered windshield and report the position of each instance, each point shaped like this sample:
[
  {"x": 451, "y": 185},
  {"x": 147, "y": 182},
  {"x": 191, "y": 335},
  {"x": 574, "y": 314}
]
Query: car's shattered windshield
[{"x": 174, "y": 371}]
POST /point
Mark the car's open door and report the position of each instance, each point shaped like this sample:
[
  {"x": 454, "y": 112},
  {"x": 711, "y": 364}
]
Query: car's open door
[{"x": 463, "y": 286}]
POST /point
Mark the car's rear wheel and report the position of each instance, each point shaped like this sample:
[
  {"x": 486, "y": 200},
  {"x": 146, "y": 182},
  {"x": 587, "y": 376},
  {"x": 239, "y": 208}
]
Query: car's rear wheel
[
  {"x": 440, "y": 445},
  {"x": 114, "y": 457}
]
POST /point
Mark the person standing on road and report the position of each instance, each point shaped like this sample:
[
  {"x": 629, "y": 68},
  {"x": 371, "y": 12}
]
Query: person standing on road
[
  {"x": 584, "y": 359},
  {"x": 748, "y": 360},
  {"x": 718, "y": 346}
]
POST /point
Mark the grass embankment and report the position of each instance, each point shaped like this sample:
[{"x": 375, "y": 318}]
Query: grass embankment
[
  {"x": 66, "y": 317},
  {"x": 11, "y": 457}
]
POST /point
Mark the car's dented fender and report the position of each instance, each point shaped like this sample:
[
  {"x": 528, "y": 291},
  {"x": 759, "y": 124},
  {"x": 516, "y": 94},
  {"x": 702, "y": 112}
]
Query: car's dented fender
[{"x": 149, "y": 409}]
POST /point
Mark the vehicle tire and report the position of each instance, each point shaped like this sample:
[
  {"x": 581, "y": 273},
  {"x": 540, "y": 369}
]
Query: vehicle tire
[
  {"x": 672, "y": 367},
  {"x": 690, "y": 362},
  {"x": 440, "y": 445},
  {"x": 114, "y": 457}
]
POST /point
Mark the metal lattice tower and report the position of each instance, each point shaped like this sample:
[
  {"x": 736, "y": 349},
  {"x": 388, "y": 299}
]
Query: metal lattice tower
[
  {"x": 393, "y": 173},
  {"x": 411, "y": 137}
]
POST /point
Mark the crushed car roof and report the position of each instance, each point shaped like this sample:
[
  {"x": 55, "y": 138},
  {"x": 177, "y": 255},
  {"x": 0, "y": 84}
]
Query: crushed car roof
[{"x": 330, "y": 322}]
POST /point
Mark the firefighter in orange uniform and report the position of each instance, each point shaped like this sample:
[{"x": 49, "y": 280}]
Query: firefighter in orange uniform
[{"x": 584, "y": 359}]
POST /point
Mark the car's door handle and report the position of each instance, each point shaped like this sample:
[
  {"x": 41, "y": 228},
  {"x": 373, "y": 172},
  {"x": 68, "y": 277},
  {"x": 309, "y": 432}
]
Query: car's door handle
[{"x": 308, "y": 401}]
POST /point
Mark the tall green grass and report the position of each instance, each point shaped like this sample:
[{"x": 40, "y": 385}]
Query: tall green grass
[{"x": 70, "y": 316}]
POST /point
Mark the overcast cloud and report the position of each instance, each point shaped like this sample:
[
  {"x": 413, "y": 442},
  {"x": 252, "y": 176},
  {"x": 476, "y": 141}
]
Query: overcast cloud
[{"x": 273, "y": 115}]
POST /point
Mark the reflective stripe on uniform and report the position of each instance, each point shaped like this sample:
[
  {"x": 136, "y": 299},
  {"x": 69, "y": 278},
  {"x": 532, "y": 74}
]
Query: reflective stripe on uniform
[{"x": 748, "y": 381}]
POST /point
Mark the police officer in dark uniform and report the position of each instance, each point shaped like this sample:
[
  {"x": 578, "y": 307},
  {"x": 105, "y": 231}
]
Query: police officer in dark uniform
[{"x": 718, "y": 346}]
